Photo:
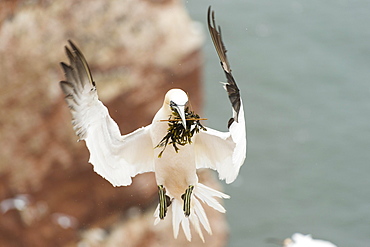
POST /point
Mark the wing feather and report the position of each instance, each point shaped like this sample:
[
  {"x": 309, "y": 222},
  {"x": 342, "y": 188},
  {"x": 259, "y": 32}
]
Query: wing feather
[
  {"x": 223, "y": 151},
  {"x": 115, "y": 157},
  {"x": 231, "y": 87}
]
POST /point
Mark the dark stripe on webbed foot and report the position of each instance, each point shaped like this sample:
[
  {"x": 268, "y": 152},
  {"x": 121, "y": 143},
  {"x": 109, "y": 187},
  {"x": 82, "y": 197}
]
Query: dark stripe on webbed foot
[
  {"x": 187, "y": 200},
  {"x": 164, "y": 202}
]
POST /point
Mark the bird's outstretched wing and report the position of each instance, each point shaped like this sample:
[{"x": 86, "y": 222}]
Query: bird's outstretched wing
[
  {"x": 114, "y": 157},
  {"x": 223, "y": 151}
]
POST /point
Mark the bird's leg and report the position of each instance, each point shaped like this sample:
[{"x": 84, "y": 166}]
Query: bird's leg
[
  {"x": 164, "y": 201},
  {"x": 186, "y": 197}
]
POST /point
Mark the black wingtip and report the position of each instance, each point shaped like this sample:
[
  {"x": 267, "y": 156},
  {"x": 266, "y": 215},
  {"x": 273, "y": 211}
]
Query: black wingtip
[
  {"x": 66, "y": 87},
  {"x": 69, "y": 54},
  {"x": 210, "y": 16},
  {"x": 76, "y": 54},
  {"x": 231, "y": 87},
  {"x": 76, "y": 50},
  {"x": 209, "y": 12},
  {"x": 72, "y": 44},
  {"x": 64, "y": 66}
]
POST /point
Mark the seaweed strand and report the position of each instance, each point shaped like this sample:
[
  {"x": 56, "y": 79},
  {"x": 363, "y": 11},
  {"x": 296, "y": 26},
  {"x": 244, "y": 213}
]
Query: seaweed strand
[{"x": 177, "y": 134}]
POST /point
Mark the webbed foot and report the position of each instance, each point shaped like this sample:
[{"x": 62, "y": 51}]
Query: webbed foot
[
  {"x": 164, "y": 201},
  {"x": 186, "y": 197}
]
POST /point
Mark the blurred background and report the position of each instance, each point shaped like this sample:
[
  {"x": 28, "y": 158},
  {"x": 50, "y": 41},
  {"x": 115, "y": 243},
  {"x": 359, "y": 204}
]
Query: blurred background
[{"x": 303, "y": 70}]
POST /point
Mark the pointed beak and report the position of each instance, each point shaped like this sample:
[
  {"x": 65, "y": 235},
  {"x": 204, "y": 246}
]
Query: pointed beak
[{"x": 181, "y": 111}]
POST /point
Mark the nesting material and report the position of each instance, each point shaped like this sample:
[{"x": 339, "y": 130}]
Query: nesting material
[{"x": 176, "y": 132}]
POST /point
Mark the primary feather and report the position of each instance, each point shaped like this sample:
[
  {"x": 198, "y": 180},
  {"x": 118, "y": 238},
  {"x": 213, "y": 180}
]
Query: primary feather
[{"x": 113, "y": 156}]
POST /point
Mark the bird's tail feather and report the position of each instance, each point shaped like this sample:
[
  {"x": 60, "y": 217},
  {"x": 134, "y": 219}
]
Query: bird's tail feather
[{"x": 198, "y": 216}]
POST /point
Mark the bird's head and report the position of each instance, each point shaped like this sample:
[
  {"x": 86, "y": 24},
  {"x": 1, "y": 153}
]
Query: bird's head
[{"x": 176, "y": 100}]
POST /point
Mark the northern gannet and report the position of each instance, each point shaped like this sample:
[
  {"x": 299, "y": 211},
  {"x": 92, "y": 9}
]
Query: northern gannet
[{"x": 118, "y": 157}]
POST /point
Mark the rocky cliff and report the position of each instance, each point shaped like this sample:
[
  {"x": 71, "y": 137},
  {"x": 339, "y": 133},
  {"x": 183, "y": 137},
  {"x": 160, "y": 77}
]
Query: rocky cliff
[{"x": 137, "y": 50}]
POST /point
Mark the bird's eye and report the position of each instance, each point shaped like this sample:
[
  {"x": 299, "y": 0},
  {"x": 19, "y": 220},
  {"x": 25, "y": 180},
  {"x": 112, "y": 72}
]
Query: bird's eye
[{"x": 172, "y": 104}]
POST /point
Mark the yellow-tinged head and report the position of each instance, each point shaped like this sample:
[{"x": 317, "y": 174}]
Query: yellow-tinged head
[{"x": 176, "y": 99}]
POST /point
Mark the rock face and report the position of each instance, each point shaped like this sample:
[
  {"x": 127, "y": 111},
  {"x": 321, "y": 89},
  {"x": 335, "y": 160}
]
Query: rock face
[{"x": 137, "y": 50}]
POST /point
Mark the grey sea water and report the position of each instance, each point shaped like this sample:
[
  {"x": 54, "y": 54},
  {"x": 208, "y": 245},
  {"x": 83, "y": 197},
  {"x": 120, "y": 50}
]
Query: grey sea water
[{"x": 304, "y": 71}]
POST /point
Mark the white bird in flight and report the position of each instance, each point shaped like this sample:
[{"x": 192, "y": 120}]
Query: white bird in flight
[
  {"x": 118, "y": 157},
  {"x": 300, "y": 240}
]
